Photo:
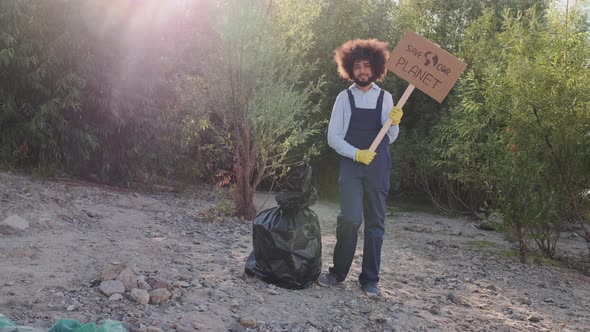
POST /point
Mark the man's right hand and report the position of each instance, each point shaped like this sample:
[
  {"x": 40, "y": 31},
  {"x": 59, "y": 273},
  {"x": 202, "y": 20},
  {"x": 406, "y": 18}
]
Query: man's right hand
[{"x": 364, "y": 156}]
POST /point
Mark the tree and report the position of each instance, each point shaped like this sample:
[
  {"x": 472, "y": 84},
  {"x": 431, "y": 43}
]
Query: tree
[
  {"x": 40, "y": 94},
  {"x": 86, "y": 93},
  {"x": 445, "y": 23},
  {"x": 262, "y": 51},
  {"x": 522, "y": 115}
]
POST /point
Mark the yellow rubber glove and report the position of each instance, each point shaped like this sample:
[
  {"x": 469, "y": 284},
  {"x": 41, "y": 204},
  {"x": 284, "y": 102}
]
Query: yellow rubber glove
[
  {"x": 395, "y": 115},
  {"x": 364, "y": 156}
]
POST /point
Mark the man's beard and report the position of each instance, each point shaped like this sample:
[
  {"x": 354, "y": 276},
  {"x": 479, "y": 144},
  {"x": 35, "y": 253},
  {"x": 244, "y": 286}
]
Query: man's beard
[{"x": 363, "y": 83}]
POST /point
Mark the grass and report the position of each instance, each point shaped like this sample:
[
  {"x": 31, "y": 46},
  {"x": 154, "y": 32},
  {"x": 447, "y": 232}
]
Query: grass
[
  {"x": 482, "y": 244},
  {"x": 534, "y": 257}
]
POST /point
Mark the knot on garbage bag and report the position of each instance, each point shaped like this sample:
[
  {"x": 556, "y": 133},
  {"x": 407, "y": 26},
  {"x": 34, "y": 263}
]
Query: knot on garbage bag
[{"x": 297, "y": 189}]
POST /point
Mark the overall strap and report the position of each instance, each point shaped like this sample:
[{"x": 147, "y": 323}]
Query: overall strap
[
  {"x": 351, "y": 99},
  {"x": 379, "y": 105}
]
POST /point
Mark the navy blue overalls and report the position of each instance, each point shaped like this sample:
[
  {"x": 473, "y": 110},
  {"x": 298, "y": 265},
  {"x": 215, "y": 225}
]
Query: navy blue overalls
[{"x": 363, "y": 193}]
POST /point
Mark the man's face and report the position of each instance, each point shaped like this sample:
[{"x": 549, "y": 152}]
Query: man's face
[{"x": 362, "y": 72}]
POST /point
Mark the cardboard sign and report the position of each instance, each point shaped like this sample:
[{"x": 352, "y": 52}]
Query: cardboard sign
[{"x": 425, "y": 65}]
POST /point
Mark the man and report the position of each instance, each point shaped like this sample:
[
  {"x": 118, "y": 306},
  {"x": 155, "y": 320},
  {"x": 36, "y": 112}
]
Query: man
[{"x": 357, "y": 117}]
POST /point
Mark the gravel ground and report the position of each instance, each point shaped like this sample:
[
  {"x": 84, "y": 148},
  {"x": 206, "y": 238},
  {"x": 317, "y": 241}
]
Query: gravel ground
[{"x": 60, "y": 240}]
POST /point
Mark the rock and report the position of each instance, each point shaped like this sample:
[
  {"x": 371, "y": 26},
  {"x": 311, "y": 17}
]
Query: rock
[
  {"x": 492, "y": 288},
  {"x": 154, "y": 329},
  {"x": 159, "y": 295},
  {"x": 517, "y": 316},
  {"x": 377, "y": 319},
  {"x": 526, "y": 301},
  {"x": 142, "y": 284},
  {"x": 156, "y": 282},
  {"x": 235, "y": 327},
  {"x": 71, "y": 308},
  {"x": 435, "y": 310},
  {"x": 111, "y": 272},
  {"x": 418, "y": 229},
  {"x": 458, "y": 300},
  {"x": 140, "y": 296},
  {"x": 534, "y": 319},
  {"x": 352, "y": 304},
  {"x": 248, "y": 322},
  {"x": 110, "y": 287},
  {"x": 184, "y": 277},
  {"x": 485, "y": 225},
  {"x": 128, "y": 278},
  {"x": 218, "y": 294},
  {"x": 335, "y": 311},
  {"x": 15, "y": 223},
  {"x": 199, "y": 326},
  {"x": 365, "y": 309},
  {"x": 176, "y": 293},
  {"x": 180, "y": 284},
  {"x": 115, "y": 297}
]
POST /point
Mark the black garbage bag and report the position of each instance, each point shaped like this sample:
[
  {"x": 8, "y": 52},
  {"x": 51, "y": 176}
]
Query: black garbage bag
[
  {"x": 290, "y": 200},
  {"x": 287, "y": 239},
  {"x": 298, "y": 179}
]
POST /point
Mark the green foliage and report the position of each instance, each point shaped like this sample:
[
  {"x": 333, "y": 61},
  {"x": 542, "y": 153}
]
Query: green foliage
[
  {"x": 90, "y": 93},
  {"x": 482, "y": 244},
  {"x": 40, "y": 97},
  {"x": 518, "y": 131},
  {"x": 415, "y": 169},
  {"x": 261, "y": 54},
  {"x": 219, "y": 211}
]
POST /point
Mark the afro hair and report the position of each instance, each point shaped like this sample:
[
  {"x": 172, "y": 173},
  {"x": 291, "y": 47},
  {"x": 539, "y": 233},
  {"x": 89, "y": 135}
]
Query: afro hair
[{"x": 362, "y": 49}]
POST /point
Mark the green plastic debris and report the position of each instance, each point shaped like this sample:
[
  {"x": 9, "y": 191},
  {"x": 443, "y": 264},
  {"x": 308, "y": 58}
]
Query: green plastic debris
[
  {"x": 72, "y": 325},
  {"x": 88, "y": 327},
  {"x": 6, "y": 325},
  {"x": 111, "y": 326},
  {"x": 65, "y": 325},
  {"x": 4, "y": 321}
]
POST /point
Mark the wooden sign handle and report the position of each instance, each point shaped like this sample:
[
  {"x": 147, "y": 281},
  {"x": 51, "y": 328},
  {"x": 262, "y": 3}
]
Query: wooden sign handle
[{"x": 400, "y": 104}]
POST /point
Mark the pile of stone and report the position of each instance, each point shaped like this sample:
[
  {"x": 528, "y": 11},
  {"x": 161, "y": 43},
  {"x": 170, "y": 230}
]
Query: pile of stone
[
  {"x": 13, "y": 224},
  {"x": 119, "y": 279}
]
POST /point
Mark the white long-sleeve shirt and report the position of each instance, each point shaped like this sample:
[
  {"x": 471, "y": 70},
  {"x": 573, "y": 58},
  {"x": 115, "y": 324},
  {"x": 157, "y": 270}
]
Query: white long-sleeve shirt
[{"x": 340, "y": 118}]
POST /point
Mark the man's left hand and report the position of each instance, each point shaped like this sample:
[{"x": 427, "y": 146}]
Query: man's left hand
[{"x": 395, "y": 115}]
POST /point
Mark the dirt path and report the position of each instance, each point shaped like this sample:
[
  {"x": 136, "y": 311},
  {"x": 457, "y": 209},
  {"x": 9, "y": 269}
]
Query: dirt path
[{"x": 438, "y": 274}]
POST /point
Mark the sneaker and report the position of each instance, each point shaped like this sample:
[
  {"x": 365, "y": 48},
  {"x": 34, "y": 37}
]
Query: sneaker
[
  {"x": 371, "y": 290},
  {"x": 328, "y": 280}
]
